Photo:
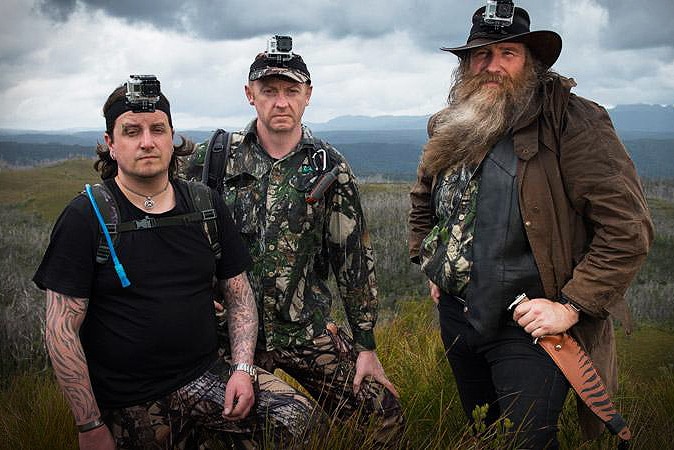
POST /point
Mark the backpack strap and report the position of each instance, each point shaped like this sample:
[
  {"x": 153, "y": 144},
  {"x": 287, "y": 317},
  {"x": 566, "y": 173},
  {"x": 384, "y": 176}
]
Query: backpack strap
[
  {"x": 202, "y": 203},
  {"x": 110, "y": 213},
  {"x": 215, "y": 160},
  {"x": 202, "y": 211}
]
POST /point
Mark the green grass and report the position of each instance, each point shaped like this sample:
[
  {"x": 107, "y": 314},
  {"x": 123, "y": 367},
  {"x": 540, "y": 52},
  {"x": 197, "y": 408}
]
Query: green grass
[
  {"x": 34, "y": 415},
  {"x": 46, "y": 190}
]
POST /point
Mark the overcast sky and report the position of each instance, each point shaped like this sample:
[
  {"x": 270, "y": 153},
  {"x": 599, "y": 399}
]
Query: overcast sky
[{"x": 60, "y": 59}]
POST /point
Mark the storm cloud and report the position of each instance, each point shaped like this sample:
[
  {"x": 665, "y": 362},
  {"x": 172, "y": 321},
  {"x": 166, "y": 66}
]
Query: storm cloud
[
  {"x": 59, "y": 59},
  {"x": 629, "y": 25}
]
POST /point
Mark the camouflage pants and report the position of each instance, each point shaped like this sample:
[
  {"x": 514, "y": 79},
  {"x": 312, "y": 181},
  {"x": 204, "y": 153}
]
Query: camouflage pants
[
  {"x": 191, "y": 417},
  {"x": 326, "y": 370}
]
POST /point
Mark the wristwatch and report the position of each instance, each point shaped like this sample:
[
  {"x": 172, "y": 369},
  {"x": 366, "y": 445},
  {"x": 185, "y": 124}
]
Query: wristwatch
[
  {"x": 564, "y": 300},
  {"x": 96, "y": 423},
  {"x": 244, "y": 367}
]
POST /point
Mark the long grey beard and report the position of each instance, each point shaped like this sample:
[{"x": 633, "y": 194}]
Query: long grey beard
[{"x": 473, "y": 122}]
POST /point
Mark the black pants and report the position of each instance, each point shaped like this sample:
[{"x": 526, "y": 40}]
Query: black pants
[{"x": 508, "y": 372}]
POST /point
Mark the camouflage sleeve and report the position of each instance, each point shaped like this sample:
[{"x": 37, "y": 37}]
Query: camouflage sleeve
[
  {"x": 193, "y": 164},
  {"x": 352, "y": 258}
]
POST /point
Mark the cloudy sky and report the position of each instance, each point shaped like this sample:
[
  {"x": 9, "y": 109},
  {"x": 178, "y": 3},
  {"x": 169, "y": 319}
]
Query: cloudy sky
[{"x": 59, "y": 59}]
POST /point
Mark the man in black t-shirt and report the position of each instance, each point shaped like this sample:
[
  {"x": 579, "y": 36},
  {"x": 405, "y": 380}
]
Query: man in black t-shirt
[{"x": 132, "y": 337}]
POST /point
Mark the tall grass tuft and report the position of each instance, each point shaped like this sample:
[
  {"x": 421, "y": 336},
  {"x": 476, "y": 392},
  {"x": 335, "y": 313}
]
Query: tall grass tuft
[
  {"x": 22, "y": 241},
  {"x": 34, "y": 415}
]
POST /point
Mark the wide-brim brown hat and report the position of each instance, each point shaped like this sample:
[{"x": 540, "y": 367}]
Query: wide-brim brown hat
[{"x": 544, "y": 44}]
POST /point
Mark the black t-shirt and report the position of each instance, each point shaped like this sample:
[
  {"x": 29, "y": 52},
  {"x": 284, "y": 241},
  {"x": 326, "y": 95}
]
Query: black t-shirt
[{"x": 146, "y": 340}]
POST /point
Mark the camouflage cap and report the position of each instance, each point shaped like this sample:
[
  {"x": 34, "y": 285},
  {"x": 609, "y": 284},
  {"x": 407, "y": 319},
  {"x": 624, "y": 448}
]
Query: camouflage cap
[{"x": 266, "y": 66}]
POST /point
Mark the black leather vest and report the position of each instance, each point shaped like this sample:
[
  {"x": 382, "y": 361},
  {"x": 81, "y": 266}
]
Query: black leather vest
[{"x": 503, "y": 265}]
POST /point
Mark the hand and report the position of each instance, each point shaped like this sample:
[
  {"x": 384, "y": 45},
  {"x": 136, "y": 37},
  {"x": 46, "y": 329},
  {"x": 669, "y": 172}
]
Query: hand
[
  {"x": 435, "y": 292},
  {"x": 239, "y": 396},
  {"x": 97, "y": 439},
  {"x": 542, "y": 317},
  {"x": 368, "y": 364}
]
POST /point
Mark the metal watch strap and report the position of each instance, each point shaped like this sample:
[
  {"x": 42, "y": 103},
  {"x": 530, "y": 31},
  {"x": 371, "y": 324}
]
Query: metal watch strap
[
  {"x": 244, "y": 367},
  {"x": 96, "y": 423}
]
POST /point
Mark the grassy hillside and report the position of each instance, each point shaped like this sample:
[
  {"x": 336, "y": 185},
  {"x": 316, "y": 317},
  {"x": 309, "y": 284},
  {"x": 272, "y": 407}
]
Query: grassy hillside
[
  {"x": 46, "y": 190},
  {"x": 33, "y": 413}
]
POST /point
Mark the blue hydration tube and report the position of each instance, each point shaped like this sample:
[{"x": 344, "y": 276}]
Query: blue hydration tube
[{"x": 118, "y": 266}]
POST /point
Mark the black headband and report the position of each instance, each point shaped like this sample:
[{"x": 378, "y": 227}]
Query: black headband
[{"x": 122, "y": 105}]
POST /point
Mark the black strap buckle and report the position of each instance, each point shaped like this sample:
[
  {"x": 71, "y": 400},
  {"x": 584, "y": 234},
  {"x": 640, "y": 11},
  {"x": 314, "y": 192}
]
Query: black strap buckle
[
  {"x": 208, "y": 214},
  {"x": 147, "y": 222},
  {"x": 112, "y": 228}
]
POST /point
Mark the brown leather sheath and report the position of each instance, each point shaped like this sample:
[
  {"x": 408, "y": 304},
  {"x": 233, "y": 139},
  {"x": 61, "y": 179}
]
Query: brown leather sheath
[
  {"x": 579, "y": 370},
  {"x": 583, "y": 377}
]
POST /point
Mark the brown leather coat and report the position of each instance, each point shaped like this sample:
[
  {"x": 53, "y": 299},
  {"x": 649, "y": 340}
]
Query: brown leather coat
[{"x": 584, "y": 212}]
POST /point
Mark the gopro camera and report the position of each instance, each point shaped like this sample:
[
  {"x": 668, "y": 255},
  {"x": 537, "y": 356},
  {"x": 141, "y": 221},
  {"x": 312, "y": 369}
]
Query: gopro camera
[
  {"x": 499, "y": 13},
  {"x": 142, "y": 92},
  {"x": 280, "y": 47}
]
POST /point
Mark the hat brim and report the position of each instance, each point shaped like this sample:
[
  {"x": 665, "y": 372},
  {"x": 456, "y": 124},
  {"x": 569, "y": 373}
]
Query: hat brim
[
  {"x": 294, "y": 75},
  {"x": 545, "y": 45}
]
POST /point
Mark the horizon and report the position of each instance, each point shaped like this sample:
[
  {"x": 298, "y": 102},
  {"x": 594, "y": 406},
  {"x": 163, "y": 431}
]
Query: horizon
[{"x": 309, "y": 123}]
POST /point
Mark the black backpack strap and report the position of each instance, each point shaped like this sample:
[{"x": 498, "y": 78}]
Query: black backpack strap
[
  {"x": 215, "y": 160},
  {"x": 202, "y": 212},
  {"x": 202, "y": 203},
  {"x": 110, "y": 212}
]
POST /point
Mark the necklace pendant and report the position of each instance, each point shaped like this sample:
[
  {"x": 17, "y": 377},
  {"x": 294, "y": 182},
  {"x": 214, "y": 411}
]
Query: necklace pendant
[{"x": 149, "y": 203}]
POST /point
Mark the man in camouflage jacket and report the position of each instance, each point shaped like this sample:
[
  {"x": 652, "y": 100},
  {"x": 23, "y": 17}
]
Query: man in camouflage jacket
[{"x": 271, "y": 168}]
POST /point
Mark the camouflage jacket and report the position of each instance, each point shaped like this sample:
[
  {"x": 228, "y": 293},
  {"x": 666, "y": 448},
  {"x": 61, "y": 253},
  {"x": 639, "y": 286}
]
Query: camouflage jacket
[
  {"x": 294, "y": 244},
  {"x": 445, "y": 254}
]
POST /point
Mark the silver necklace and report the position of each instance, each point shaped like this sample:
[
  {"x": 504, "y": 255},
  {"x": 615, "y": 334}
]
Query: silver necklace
[{"x": 149, "y": 202}]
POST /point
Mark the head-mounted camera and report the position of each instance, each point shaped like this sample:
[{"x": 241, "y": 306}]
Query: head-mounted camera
[
  {"x": 280, "y": 47},
  {"x": 499, "y": 13},
  {"x": 142, "y": 93}
]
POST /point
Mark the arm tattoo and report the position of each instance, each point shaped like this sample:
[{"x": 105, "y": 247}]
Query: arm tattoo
[
  {"x": 241, "y": 317},
  {"x": 64, "y": 317}
]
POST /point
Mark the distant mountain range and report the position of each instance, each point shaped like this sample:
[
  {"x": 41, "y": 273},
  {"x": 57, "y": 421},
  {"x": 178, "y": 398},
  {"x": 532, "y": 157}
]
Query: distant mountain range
[
  {"x": 630, "y": 119},
  {"x": 386, "y": 146}
]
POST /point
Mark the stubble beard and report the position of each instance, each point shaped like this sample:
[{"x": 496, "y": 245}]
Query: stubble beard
[{"x": 477, "y": 116}]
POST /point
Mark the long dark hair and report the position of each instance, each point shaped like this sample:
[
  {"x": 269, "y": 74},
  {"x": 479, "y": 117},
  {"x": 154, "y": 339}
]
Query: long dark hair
[{"x": 108, "y": 166}]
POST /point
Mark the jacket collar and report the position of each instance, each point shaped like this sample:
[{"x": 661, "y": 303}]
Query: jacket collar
[{"x": 550, "y": 100}]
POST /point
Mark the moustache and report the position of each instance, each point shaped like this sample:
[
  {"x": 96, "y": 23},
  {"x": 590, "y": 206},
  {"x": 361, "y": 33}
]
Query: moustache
[{"x": 475, "y": 83}]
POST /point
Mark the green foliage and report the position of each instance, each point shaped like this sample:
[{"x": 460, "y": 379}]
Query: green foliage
[
  {"x": 411, "y": 352},
  {"x": 499, "y": 435},
  {"x": 386, "y": 207},
  {"x": 23, "y": 239},
  {"x": 46, "y": 190},
  {"x": 33, "y": 413}
]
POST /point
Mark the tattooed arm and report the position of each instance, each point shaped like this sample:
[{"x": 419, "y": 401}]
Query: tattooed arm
[
  {"x": 64, "y": 317},
  {"x": 241, "y": 317},
  {"x": 242, "y": 325}
]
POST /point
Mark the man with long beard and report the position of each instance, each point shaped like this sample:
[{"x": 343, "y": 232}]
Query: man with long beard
[{"x": 524, "y": 187}]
